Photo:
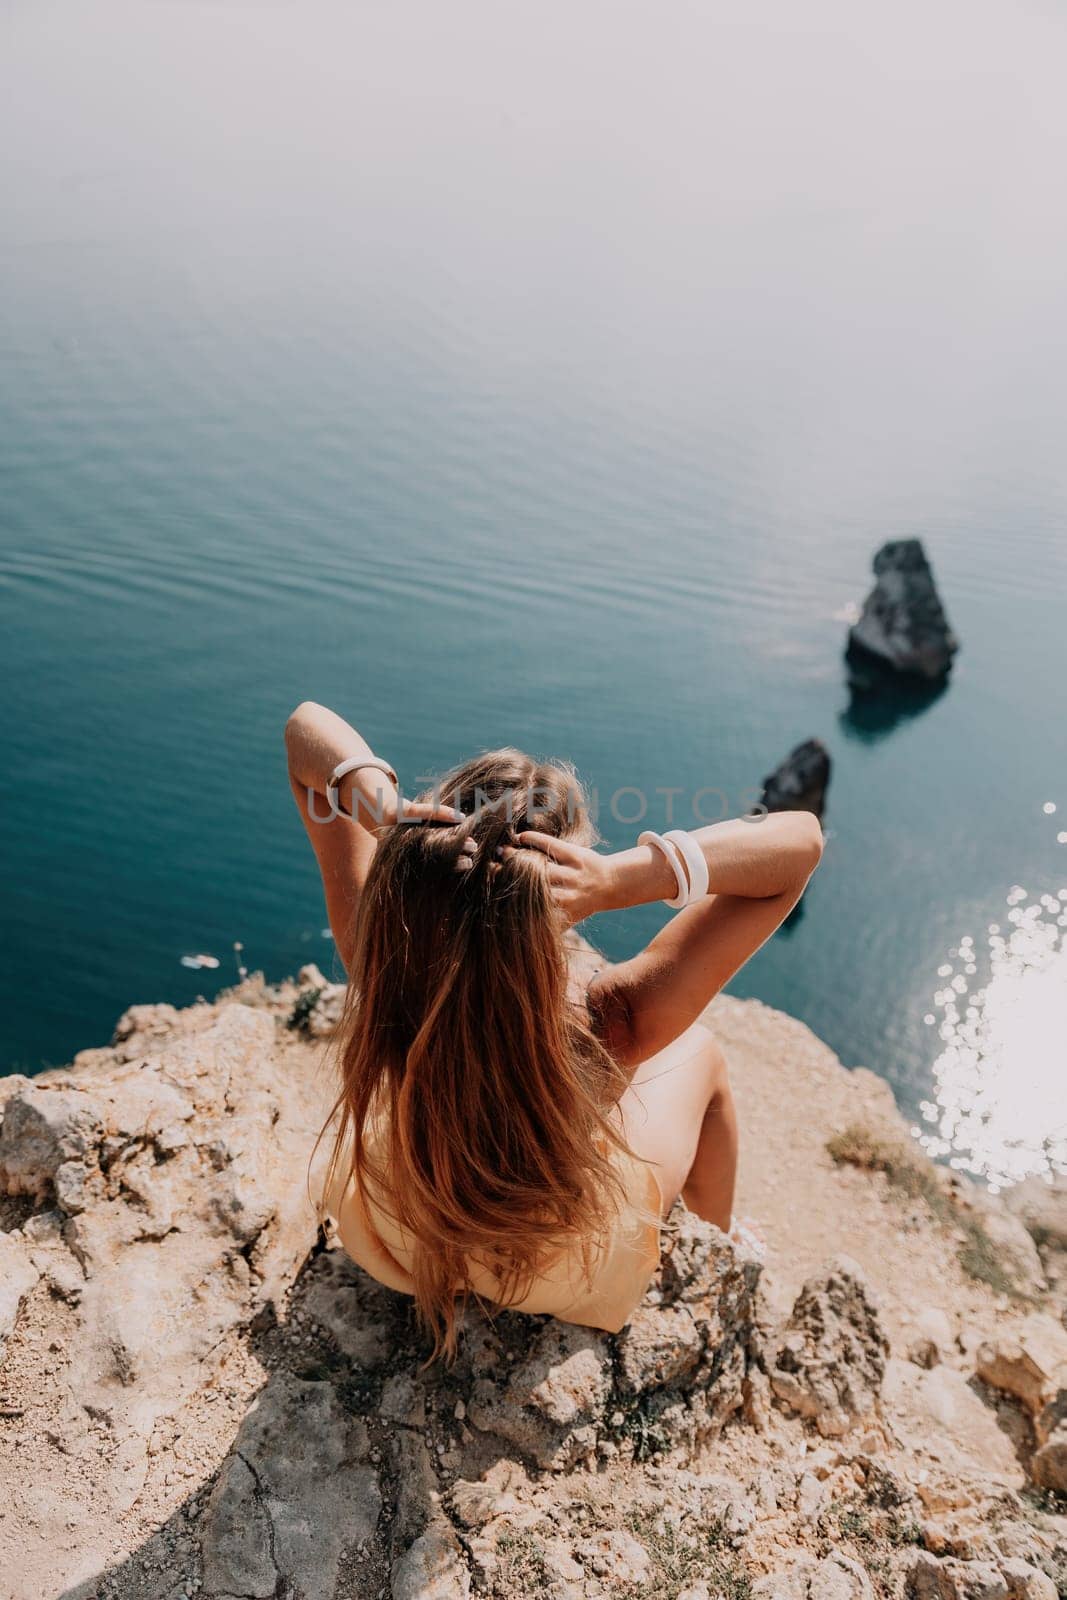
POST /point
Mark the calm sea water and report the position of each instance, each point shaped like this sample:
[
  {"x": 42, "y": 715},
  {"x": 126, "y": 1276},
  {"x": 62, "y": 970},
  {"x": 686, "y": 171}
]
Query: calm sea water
[{"x": 512, "y": 374}]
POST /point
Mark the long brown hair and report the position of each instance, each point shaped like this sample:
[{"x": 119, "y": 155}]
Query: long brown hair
[{"x": 493, "y": 1088}]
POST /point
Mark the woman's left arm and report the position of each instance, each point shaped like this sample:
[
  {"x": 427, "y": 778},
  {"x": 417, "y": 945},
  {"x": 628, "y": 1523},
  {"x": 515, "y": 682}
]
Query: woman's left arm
[
  {"x": 344, "y": 840},
  {"x": 316, "y": 741},
  {"x": 756, "y": 871}
]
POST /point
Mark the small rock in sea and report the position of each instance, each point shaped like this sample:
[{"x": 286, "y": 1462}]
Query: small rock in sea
[
  {"x": 903, "y": 631},
  {"x": 801, "y": 781}
]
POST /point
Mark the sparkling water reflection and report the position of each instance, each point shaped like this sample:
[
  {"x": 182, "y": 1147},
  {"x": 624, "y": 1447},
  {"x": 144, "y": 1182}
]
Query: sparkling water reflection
[{"x": 1000, "y": 1110}]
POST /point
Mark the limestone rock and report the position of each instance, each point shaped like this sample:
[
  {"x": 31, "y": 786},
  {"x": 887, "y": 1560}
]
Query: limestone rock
[
  {"x": 319, "y": 1005},
  {"x": 432, "y": 1568},
  {"x": 157, "y": 1253},
  {"x": 903, "y": 629},
  {"x": 145, "y": 1022},
  {"x": 932, "y": 1323},
  {"x": 933, "y": 1578},
  {"x": 934, "y": 1339},
  {"x": 722, "y": 1503},
  {"x": 563, "y": 1573},
  {"x": 295, "y": 1491},
  {"x": 204, "y": 1399},
  {"x": 1041, "y": 1206},
  {"x": 940, "y": 1414},
  {"x": 18, "y": 1275},
  {"x": 1052, "y": 1417},
  {"x": 788, "y": 1582},
  {"x": 1048, "y": 1464},
  {"x": 1029, "y": 1362},
  {"x": 553, "y": 1402},
  {"x": 660, "y": 1345},
  {"x": 830, "y": 1361},
  {"x": 800, "y": 782},
  {"x": 838, "y": 1577},
  {"x": 1026, "y": 1582},
  {"x": 668, "y": 1381},
  {"x": 614, "y": 1556},
  {"x": 1016, "y": 1251},
  {"x": 355, "y": 1310},
  {"x": 44, "y": 1127}
]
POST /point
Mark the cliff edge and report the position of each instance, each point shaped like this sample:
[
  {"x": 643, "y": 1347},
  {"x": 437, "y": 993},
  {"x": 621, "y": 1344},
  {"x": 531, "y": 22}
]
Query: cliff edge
[{"x": 201, "y": 1396}]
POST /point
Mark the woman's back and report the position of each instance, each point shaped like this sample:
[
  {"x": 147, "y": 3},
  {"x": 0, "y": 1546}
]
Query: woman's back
[
  {"x": 489, "y": 1138},
  {"x": 623, "y": 1260}
]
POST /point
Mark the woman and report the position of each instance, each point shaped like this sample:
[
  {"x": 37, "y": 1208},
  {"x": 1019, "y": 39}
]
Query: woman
[{"x": 509, "y": 1127}]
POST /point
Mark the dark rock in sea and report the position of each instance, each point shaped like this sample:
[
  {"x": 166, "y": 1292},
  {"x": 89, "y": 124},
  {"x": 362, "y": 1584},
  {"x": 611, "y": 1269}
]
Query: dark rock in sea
[
  {"x": 800, "y": 783},
  {"x": 903, "y": 631}
]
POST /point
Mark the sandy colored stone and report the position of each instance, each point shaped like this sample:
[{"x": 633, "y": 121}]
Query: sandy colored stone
[
  {"x": 943, "y": 1419},
  {"x": 200, "y": 1399},
  {"x": 432, "y": 1568},
  {"x": 1041, "y": 1205},
  {"x": 18, "y": 1275},
  {"x": 1048, "y": 1464},
  {"x": 1029, "y": 1361},
  {"x": 830, "y": 1359},
  {"x": 616, "y": 1557}
]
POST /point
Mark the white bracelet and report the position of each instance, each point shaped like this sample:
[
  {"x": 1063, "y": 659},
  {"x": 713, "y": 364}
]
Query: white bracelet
[
  {"x": 673, "y": 856},
  {"x": 343, "y": 768},
  {"x": 696, "y": 865}
]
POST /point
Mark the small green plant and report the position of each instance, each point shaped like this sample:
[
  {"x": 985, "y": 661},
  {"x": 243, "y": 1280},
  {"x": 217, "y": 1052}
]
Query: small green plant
[
  {"x": 305, "y": 1004},
  {"x": 681, "y": 1556},
  {"x": 521, "y": 1568},
  {"x": 904, "y": 1531},
  {"x": 644, "y": 1431},
  {"x": 855, "y": 1523}
]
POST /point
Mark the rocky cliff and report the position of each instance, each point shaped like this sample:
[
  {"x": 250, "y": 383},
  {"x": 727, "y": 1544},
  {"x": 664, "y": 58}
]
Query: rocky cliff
[{"x": 201, "y": 1396}]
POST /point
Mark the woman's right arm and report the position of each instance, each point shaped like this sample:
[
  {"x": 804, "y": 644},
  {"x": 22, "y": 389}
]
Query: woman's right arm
[{"x": 757, "y": 871}]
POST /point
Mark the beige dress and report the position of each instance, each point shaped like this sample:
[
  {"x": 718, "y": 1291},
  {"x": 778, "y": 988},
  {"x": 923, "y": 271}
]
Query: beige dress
[{"x": 624, "y": 1264}]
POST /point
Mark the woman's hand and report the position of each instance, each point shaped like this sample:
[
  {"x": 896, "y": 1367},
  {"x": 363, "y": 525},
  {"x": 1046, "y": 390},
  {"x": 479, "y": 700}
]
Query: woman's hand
[
  {"x": 371, "y": 797},
  {"x": 582, "y": 882}
]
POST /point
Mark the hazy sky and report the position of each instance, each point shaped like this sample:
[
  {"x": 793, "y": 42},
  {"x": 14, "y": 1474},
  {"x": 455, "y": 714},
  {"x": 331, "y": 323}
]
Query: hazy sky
[{"x": 851, "y": 214}]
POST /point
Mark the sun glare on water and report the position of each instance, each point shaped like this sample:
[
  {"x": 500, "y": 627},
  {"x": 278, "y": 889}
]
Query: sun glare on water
[{"x": 1001, "y": 1086}]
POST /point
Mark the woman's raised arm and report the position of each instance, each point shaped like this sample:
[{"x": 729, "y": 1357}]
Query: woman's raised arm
[
  {"x": 317, "y": 741},
  {"x": 757, "y": 871}
]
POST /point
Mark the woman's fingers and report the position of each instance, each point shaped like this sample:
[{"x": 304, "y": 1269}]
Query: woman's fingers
[
  {"x": 557, "y": 871},
  {"x": 557, "y": 849},
  {"x": 426, "y": 811}
]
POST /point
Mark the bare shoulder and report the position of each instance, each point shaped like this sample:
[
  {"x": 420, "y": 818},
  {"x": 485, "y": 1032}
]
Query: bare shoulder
[{"x": 608, "y": 1006}]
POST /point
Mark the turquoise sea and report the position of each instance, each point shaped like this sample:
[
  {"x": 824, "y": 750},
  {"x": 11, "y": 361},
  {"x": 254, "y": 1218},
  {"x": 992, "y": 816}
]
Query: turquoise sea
[{"x": 518, "y": 374}]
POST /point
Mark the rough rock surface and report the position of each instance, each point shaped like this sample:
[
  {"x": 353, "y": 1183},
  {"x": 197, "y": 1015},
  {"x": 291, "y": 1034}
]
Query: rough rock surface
[
  {"x": 903, "y": 630},
  {"x": 1041, "y": 1204},
  {"x": 1029, "y": 1363},
  {"x": 800, "y": 782},
  {"x": 830, "y": 1363},
  {"x": 202, "y": 1399}
]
